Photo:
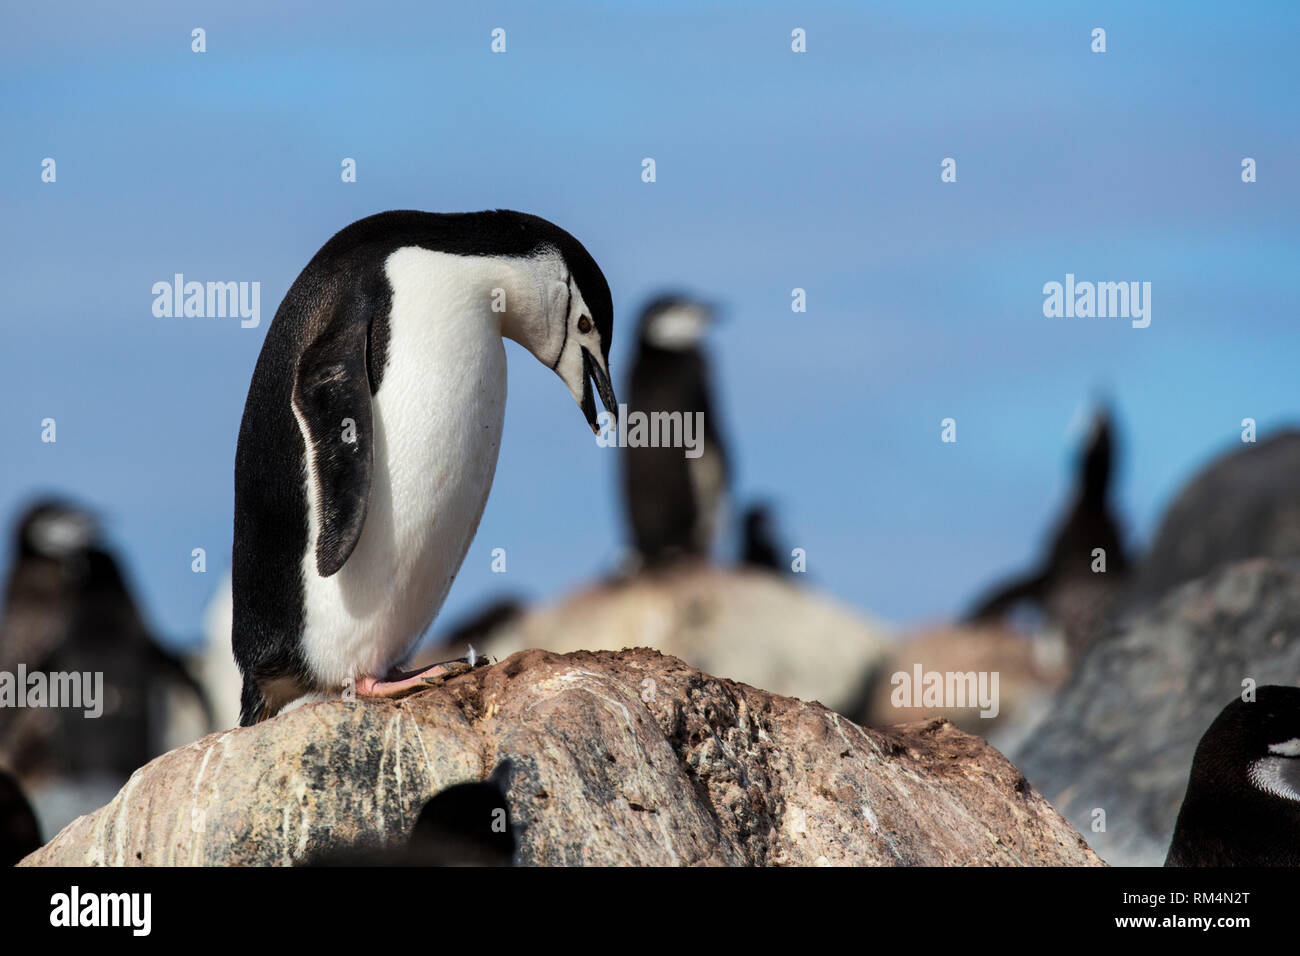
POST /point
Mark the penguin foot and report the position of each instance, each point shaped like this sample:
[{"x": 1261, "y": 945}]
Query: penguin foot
[{"x": 403, "y": 684}]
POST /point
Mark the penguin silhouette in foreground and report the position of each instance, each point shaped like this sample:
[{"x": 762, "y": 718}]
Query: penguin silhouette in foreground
[
  {"x": 467, "y": 824},
  {"x": 1242, "y": 806},
  {"x": 674, "y": 503},
  {"x": 1064, "y": 585},
  {"x": 68, "y": 610},
  {"x": 370, "y": 436}
]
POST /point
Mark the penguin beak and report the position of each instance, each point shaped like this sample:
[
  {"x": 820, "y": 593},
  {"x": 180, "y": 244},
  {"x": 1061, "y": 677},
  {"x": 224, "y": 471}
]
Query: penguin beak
[{"x": 593, "y": 371}]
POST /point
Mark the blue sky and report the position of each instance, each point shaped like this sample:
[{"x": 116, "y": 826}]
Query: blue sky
[{"x": 775, "y": 171}]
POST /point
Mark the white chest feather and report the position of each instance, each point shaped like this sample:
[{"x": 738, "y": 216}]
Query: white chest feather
[{"x": 437, "y": 420}]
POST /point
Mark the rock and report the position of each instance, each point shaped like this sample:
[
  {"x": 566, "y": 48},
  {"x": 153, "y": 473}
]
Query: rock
[
  {"x": 747, "y": 625},
  {"x": 1030, "y": 670},
  {"x": 617, "y": 758},
  {"x": 1244, "y": 504},
  {"x": 1121, "y": 735}
]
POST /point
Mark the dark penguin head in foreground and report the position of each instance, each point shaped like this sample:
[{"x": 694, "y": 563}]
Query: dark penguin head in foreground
[
  {"x": 673, "y": 499},
  {"x": 467, "y": 825},
  {"x": 1242, "y": 806},
  {"x": 371, "y": 431}
]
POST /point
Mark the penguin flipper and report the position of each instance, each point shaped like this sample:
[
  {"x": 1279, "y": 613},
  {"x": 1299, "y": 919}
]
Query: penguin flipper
[
  {"x": 331, "y": 394},
  {"x": 996, "y": 604}
]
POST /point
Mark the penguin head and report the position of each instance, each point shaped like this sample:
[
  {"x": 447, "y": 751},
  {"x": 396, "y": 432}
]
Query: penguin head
[
  {"x": 1098, "y": 455},
  {"x": 1259, "y": 739},
  {"x": 1274, "y": 742},
  {"x": 758, "y": 522},
  {"x": 572, "y": 324},
  {"x": 675, "y": 323},
  {"x": 56, "y": 531},
  {"x": 468, "y": 824}
]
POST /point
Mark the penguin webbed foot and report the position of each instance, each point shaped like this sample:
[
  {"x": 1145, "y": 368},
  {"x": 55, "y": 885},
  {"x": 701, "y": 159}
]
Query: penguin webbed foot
[{"x": 400, "y": 684}]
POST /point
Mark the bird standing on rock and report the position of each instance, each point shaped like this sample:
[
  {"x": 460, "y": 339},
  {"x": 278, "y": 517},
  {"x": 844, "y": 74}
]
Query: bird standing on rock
[
  {"x": 370, "y": 436},
  {"x": 674, "y": 501}
]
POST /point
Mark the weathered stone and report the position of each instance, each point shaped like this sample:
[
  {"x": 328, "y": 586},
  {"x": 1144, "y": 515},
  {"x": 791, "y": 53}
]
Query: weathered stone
[
  {"x": 618, "y": 758},
  {"x": 1029, "y": 669},
  {"x": 1244, "y": 504},
  {"x": 1121, "y": 735}
]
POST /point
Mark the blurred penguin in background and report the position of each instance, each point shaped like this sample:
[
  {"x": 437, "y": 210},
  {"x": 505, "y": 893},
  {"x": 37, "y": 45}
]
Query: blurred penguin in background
[
  {"x": 674, "y": 502},
  {"x": 1069, "y": 585},
  {"x": 758, "y": 548},
  {"x": 68, "y": 610}
]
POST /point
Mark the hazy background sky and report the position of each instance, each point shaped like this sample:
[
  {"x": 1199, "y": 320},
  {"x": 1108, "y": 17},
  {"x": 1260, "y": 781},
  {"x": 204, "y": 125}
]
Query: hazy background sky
[{"x": 775, "y": 170}]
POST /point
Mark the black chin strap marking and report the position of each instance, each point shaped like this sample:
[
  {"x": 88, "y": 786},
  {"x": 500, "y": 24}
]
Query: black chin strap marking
[{"x": 567, "y": 309}]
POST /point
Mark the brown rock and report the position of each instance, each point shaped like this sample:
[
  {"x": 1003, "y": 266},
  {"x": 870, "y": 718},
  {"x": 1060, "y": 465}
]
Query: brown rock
[
  {"x": 1029, "y": 669},
  {"x": 751, "y": 626},
  {"x": 619, "y": 758}
]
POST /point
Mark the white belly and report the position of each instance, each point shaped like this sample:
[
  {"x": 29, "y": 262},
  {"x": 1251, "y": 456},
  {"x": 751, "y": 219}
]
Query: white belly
[{"x": 437, "y": 419}]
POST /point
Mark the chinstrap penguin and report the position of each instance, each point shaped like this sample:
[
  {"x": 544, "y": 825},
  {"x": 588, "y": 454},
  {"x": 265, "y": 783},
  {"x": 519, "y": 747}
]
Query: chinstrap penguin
[
  {"x": 68, "y": 610},
  {"x": 370, "y": 436},
  {"x": 674, "y": 504},
  {"x": 50, "y": 541},
  {"x": 1242, "y": 806}
]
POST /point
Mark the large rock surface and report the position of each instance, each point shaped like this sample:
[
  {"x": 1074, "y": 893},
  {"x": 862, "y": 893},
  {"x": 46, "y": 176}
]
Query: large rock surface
[
  {"x": 753, "y": 626},
  {"x": 1121, "y": 734},
  {"x": 619, "y": 758},
  {"x": 1030, "y": 670},
  {"x": 1244, "y": 504}
]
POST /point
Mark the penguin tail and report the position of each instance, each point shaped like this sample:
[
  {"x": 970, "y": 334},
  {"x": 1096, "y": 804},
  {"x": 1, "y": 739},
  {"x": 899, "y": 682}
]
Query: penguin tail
[{"x": 253, "y": 705}]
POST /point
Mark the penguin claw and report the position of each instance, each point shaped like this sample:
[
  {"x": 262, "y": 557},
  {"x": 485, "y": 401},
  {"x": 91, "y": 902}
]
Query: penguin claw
[{"x": 399, "y": 684}]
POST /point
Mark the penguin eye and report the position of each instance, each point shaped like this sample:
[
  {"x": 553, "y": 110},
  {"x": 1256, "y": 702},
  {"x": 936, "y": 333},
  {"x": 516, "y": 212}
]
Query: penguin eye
[{"x": 584, "y": 325}]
